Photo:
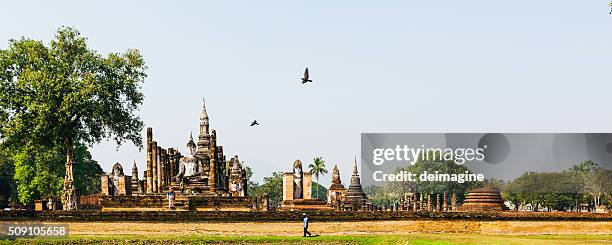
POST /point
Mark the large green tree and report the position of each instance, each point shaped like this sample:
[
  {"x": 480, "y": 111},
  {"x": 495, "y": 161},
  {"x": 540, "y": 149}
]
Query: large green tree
[
  {"x": 252, "y": 185},
  {"x": 272, "y": 186},
  {"x": 596, "y": 182},
  {"x": 67, "y": 94},
  {"x": 7, "y": 171}
]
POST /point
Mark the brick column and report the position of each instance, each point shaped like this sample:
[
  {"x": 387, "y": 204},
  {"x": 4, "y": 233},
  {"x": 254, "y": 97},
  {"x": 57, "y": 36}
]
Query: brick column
[
  {"x": 145, "y": 186},
  {"x": 444, "y": 202},
  {"x": 414, "y": 202},
  {"x": 287, "y": 186},
  {"x": 454, "y": 201},
  {"x": 149, "y": 156},
  {"x": 154, "y": 167},
  {"x": 172, "y": 158},
  {"x": 158, "y": 170},
  {"x": 162, "y": 169},
  {"x": 213, "y": 159},
  {"x": 421, "y": 202}
]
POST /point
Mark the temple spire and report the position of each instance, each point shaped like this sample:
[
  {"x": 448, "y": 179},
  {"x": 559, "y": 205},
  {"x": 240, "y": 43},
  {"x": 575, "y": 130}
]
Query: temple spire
[
  {"x": 355, "y": 166},
  {"x": 204, "y": 114},
  {"x": 134, "y": 168},
  {"x": 204, "y": 135},
  {"x": 355, "y": 192}
]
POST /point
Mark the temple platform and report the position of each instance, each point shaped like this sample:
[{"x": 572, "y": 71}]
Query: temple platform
[
  {"x": 181, "y": 203},
  {"x": 304, "y": 204}
]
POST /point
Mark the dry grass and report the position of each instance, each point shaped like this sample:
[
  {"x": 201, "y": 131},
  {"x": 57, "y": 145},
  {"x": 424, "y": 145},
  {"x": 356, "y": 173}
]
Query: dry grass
[
  {"x": 343, "y": 228},
  {"x": 367, "y": 232}
]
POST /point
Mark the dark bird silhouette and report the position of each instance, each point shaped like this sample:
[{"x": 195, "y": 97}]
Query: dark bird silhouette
[
  {"x": 254, "y": 123},
  {"x": 306, "y": 76}
]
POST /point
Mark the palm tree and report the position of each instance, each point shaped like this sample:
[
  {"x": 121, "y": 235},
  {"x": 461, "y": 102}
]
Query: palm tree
[{"x": 317, "y": 167}]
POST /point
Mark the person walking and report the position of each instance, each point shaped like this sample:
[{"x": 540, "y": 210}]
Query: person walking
[
  {"x": 171, "y": 198},
  {"x": 306, "y": 225}
]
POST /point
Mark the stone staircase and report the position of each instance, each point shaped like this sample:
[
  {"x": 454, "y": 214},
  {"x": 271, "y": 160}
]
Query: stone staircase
[{"x": 180, "y": 203}]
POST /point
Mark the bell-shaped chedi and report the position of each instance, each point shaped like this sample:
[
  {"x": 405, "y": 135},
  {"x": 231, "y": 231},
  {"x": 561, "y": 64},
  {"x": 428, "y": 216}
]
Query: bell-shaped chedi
[
  {"x": 483, "y": 199},
  {"x": 355, "y": 193}
]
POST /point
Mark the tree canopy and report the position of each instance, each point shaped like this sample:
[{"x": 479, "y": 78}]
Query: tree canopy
[{"x": 67, "y": 94}]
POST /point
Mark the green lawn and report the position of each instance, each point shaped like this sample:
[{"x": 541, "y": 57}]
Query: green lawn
[{"x": 335, "y": 239}]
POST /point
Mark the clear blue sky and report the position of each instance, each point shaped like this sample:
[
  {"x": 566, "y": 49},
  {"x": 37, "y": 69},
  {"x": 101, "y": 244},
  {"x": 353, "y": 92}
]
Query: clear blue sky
[{"x": 378, "y": 66}]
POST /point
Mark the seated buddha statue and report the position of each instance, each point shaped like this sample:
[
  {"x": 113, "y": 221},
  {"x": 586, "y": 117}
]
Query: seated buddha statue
[{"x": 190, "y": 166}]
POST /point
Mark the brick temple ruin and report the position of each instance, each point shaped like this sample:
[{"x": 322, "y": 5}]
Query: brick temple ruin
[
  {"x": 297, "y": 192},
  {"x": 202, "y": 179}
]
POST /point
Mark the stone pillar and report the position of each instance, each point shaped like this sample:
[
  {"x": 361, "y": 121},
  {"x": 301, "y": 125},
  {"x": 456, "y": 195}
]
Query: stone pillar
[
  {"x": 414, "y": 202},
  {"x": 454, "y": 201},
  {"x": 124, "y": 187},
  {"x": 222, "y": 171},
  {"x": 172, "y": 158},
  {"x": 444, "y": 202},
  {"x": 141, "y": 186},
  {"x": 287, "y": 186},
  {"x": 212, "y": 177},
  {"x": 105, "y": 185},
  {"x": 154, "y": 167},
  {"x": 168, "y": 166},
  {"x": 307, "y": 185},
  {"x": 164, "y": 168},
  {"x": 177, "y": 159},
  {"x": 428, "y": 202},
  {"x": 438, "y": 206},
  {"x": 146, "y": 187},
  {"x": 159, "y": 166},
  {"x": 245, "y": 185},
  {"x": 149, "y": 156},
  {"x": 421, "y": 202}
]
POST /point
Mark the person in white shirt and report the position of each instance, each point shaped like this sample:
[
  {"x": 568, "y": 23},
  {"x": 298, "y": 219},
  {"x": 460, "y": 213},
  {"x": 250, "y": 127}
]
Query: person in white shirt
[{"x": 306, "y": 225}]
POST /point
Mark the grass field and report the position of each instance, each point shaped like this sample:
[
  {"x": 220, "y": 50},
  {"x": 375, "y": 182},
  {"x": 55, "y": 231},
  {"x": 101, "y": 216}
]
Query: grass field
[
  {"x": 333, "y": 239},
  {"x": 362, "y": 232}
]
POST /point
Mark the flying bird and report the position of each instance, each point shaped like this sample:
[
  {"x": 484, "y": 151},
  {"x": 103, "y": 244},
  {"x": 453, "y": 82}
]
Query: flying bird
[
  {"x": 254, "y": 123},
  {"x": 306, "y": 76}
]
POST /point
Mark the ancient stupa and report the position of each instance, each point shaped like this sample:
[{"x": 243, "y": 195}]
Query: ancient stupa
[
  {"x": 355, "y": 194},
  {"x": 336, "y": 191},
  {"x": 483, "y": 199}
]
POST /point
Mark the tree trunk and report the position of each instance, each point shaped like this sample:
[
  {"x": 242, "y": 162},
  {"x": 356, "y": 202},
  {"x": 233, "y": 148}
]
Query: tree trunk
[
  {"x": 69, "y": 197},
  {"x": 317, "y": 188}
]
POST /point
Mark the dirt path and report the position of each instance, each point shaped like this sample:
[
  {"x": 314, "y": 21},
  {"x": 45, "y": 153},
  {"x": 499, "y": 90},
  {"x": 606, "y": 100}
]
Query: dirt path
[{"x": 339, "y": 228}]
